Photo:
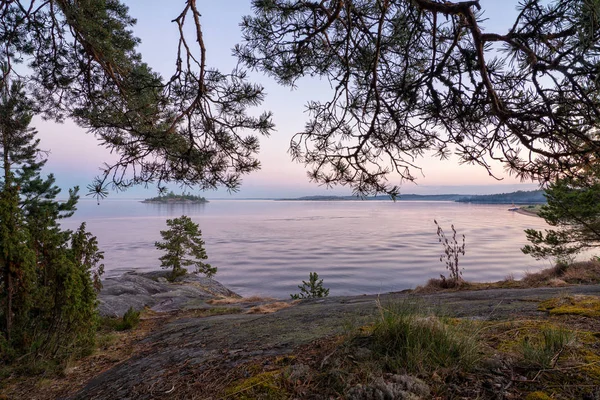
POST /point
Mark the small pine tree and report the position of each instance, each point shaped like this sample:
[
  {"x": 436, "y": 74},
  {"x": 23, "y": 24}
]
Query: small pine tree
[
  {"x": 184, "y": 246},
  {"x": 311, "y": 289}
]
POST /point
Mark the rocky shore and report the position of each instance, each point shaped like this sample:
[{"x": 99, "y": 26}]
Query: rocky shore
[
  {"x": 198, "y": 339},
  {"x": 152, "y": 290},
  {"x": 189, "y": 355}
]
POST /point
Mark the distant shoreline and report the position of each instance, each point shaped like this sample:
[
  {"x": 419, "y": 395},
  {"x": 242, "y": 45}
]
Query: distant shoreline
[
  {"x": 527, "y": 212},
  {"x": 519, "y": 198}
]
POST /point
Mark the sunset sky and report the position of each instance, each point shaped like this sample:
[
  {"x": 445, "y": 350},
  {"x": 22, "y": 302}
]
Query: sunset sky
[{"x": 76, "y": 157}]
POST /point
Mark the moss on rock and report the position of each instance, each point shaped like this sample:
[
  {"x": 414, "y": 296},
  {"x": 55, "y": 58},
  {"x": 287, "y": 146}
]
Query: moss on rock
[
  {"x": 538, "y": 396},
  {"x": 586, "y": 306},
  {"x": 265, "y": 385}
]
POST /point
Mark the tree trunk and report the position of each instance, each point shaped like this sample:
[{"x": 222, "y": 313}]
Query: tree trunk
[
  {"x": 8, "y": 283},
  {"x": 9, "y": 296}
]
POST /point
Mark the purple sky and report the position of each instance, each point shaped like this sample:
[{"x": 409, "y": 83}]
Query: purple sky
[{"x": 76, "y": 157}]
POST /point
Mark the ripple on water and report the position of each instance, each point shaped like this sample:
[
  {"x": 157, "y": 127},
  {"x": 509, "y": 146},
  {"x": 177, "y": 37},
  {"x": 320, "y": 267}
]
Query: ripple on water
[{"x": 267, "y": 247}]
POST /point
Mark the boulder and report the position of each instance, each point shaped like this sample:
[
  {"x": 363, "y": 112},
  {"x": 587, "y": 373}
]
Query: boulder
[{"x": 153, "y": 290}]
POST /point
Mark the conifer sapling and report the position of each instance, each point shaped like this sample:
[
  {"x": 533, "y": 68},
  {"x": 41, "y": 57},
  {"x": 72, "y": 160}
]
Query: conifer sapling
[{"x": 184, "y": 247}]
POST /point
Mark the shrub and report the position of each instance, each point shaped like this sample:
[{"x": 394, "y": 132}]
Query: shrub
[
  {"x": 129, "y": 321},
  {"x": 311, "y": 289},
  {"x": 452, "y": 250}
]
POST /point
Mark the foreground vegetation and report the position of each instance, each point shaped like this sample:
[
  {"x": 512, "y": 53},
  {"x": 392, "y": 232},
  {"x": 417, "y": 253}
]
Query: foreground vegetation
[
  {"x": 562, "y": 274},
  {"x": 49, "y": 276},
  {"x": 408, "y": 346},
  {"x": 411, "y": 350}
]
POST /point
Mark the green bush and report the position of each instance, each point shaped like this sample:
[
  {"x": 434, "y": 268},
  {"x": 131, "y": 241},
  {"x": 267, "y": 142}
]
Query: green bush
[
  {"x": 49, "y": 276},
  {"x": 130, "y": 320}
]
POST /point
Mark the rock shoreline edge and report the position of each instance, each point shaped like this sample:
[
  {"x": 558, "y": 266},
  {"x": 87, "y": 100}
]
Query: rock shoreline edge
[{"x": 152, "y": 290}]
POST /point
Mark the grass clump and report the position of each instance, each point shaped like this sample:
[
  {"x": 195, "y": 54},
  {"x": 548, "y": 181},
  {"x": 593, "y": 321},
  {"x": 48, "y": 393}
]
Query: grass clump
[
  {"x": 562, "y": 274},
  {"x": 269, "y": 308},
  {"x": 538, "y": 396},
  {"x": 542, "y": 350},
  {"x": 407, "y": 338}
]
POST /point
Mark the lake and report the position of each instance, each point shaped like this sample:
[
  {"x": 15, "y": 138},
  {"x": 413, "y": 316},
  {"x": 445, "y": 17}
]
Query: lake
[{"x": 264, "y": 247}]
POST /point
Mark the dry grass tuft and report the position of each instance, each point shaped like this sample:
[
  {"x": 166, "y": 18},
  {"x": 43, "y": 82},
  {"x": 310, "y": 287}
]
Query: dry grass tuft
[
  {"x": 435, "y": 285},
  {"x": 269, "y": 308},
  {"x": 556, "y": 282},
  {"x": 582, "y": 272},
  {"x": 239, "y": 300}
]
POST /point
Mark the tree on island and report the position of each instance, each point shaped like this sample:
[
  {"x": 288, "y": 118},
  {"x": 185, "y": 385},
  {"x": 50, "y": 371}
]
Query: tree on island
[
  {"x": 49, "y": 277},
  {"x": 171, "y": 196},
  {"x": 185, "y": 247},
  {"x": 574, "y": 209},
  {"x": 409, "y": 78}
]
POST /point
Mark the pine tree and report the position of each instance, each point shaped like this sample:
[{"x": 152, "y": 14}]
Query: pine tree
[
  {"x": 409, "y": 79},
  {"x": 50, "y": 276},
  {"x": 184, "y": 246},
  {"x": 17, "y": 259},
  {"x": 573, "y": 209}
]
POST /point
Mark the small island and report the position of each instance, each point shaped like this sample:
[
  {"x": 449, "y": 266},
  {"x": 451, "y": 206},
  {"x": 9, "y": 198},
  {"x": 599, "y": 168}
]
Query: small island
[{"x": 172, "y": 198}]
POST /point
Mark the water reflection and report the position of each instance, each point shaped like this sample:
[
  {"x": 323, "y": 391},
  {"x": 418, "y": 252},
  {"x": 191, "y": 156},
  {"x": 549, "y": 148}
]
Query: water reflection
[
  {"x": 268, "y": 247},
  {"x": 174, "y": 209}
]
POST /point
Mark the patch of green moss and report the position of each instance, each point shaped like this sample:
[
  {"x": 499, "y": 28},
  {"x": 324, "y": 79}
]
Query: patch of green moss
[
  {"x": 266, "y": 385},
  {"x": 592, "y": 365},
  {"x": 538, "y": 396},
  {"x": 587, "y": 306},
  {"x": 510, "y": 336},
  {"x": 284, "y": 360}
]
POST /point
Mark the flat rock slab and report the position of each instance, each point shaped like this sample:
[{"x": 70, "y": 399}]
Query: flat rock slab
[
  {"x": 189, "y": 346},
  {"x": 153, "y": 290}
]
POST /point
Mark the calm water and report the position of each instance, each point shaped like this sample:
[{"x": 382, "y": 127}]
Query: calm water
[{"x": 267, "y": 247}]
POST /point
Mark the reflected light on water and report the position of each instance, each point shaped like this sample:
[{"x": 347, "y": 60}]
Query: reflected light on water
[{"x": 268, "y": 247}]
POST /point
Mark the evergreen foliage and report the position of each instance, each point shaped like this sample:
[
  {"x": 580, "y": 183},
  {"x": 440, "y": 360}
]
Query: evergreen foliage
[
  {"x": 130, "y": 320},
  {"x": 311, "y": 289},
  {"x": 414, "y": 78},
  {"x": 49, "y": 277},
  {"x": 82, "y": 63},
  {"x": 574, "y": 210},
  {"x": 184, "y": 247},
  {"x": 410, "y": 78}
]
